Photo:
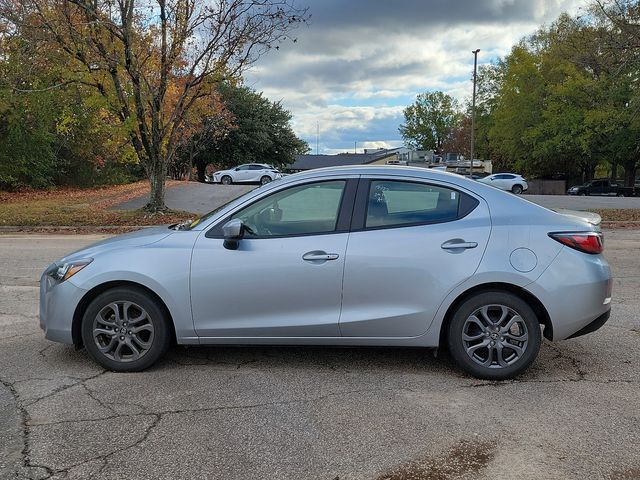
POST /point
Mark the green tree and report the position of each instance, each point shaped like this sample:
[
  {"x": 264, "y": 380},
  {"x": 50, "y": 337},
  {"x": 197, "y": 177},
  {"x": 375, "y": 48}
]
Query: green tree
[
  {"x": 430, "y": 120},
  {"x": 260, "y": 131},
  {"x": 153, "y": 62}
]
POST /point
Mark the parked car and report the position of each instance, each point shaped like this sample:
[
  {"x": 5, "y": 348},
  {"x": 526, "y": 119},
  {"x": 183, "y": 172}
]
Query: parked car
[
  {"x": 371, "y": 255},
  {"x": 506, "y": 181},
  {"x": 248, "y": 173},
  {"x": 602, "y": 187}
]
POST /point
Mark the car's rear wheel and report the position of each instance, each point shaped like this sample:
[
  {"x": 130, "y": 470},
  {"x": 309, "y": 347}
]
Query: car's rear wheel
[
  {"x": 494, "y": 335},
  {"x": 582, "y": 194},
  {"x": 226, "y": 180},
  {"x": 125, "y": 330},
  {"x": 517, "y": 189},
  {"x": 621, "y": 194},
  {"x": 265, "y": 179}
]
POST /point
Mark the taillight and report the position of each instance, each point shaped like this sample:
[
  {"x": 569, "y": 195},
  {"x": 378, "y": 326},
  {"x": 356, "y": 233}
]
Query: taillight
[{"x": 587, "y": 242}]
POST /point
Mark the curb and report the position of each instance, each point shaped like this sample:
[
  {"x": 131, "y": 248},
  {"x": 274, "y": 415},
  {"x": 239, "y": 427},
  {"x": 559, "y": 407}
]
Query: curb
[{"x": 70, "y": 229}]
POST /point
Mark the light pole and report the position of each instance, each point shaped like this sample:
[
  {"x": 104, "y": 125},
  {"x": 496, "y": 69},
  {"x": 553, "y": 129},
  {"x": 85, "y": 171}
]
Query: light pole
[{"x": 473, "y": 109}]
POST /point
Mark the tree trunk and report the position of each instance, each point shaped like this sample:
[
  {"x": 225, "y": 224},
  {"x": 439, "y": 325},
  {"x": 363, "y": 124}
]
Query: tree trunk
[
  {"x": 157, "y": 176},
  {"x": 201, "y": 167},
  {"x": 630, "y": 174},
  {"x": 614, "y": 171}
]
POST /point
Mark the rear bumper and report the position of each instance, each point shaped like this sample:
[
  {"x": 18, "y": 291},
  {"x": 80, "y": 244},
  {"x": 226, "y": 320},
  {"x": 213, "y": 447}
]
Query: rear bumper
[
  {"x": 593, "y": 326},
  {"x": 576, "y": 292}
]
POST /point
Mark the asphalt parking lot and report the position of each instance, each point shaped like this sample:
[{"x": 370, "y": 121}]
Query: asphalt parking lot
[{"x": 307, "y": 413}]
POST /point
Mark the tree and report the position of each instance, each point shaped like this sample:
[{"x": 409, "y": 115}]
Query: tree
[
  {"x": 53, "y": 136},
  {"x": 154, "y": 61},
  {"x": 260, "y": 131},
  {"x": 429, "y": 121},
  {"x": 459, "y": 138}
]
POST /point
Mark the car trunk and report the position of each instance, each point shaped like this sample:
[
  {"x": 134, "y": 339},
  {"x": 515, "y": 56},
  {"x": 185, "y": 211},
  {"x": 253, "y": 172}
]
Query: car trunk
[{"x": 590, "y": 217}]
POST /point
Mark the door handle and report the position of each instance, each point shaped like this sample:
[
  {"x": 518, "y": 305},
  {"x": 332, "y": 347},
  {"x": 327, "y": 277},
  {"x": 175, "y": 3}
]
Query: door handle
[
  {"x": 319, "y": 256},
  {"x": 458, "y": 243}
]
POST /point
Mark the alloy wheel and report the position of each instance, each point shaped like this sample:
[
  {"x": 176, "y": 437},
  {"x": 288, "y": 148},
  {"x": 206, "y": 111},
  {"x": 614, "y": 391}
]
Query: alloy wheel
[
  {"x": 495, "y": 336},
  {"x": 123, "y": 331}
]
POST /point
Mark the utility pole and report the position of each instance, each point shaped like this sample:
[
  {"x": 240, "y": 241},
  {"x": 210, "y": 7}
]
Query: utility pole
[
  {"x": 473, "y": 110},
  {"x": 317, "y": 136},
  {"x": 355, "y": 146}
]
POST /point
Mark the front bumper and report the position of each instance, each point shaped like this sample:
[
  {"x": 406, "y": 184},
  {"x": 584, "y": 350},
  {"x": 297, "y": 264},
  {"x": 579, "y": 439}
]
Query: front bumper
[{"x": 58, "y": 302}]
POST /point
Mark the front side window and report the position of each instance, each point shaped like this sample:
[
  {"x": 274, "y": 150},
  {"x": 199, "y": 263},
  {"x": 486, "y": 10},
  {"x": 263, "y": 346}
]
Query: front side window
[
  {"x": 302, "y": 210},
  {"x": 394, "y": 202},
  {"x": 242, "y": 167}
]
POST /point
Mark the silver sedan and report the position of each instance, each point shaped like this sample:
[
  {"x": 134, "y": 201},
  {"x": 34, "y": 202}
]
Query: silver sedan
[{"x": 391, "y": 256}]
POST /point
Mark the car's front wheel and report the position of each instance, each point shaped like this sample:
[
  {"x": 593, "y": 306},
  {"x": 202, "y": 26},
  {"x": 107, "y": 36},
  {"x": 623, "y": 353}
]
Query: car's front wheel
[
  {"x": 226, "y": 180},
  {"x": 494, "y": 335},
  {"x": 517, "y": 189},
  {"x": 265, "y": 179},
  {"x": 125, "y": 330}
]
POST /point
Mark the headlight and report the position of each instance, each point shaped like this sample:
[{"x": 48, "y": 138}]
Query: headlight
[{"x": 67, "y": 270}]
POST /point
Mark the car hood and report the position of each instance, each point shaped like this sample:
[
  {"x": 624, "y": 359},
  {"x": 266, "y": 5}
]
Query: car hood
[
  {"x": 138, "y": 238},
  {"x": 589, "y": 217}
]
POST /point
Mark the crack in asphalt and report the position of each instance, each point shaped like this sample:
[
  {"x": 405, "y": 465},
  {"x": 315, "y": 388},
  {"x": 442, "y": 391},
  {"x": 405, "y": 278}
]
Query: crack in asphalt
[
  {"x": 24, "y": 420},
  {"x": 158, "y": 416},
  {"x": 581, "y": 374},
  {"x": 575, "y": 363},
  {"x": 62, "y": 388},
  {"x": 18, "y": 335}
]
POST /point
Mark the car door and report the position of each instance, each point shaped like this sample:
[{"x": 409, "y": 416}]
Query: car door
[
  {"x": 411, "y": 243},
  {"x": 600, "y": 188},
  {"x": 257, "y": 171},
  {"x": 285, "y": 278},
  {"x": 496, "y": 181},
  {"x": 242, "y": 173}
]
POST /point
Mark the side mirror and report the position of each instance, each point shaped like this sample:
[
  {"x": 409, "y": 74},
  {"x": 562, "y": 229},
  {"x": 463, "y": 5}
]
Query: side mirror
[{"x": 233, "y": 232}]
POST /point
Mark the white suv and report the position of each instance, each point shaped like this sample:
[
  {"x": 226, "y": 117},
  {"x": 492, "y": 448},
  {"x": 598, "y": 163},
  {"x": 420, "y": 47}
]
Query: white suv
[
  {"x": 250, "y": 172},
  {"x": 506, "y": 181}
]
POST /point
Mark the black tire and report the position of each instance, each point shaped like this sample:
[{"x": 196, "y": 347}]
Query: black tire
[
  {"x": 514, "y": 363},
  {"x": 265, "y": 179},
  {"x": 226, "y": 180},
  {"x": 156, "y": 328},
  {"x": 620, "y": 194},
  {"x": 582, "y": 194},
  {"x": 516, "y": 189}
]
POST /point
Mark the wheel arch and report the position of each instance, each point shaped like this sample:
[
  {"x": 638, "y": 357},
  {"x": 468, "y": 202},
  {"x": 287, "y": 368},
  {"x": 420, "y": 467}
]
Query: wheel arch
[
  {"x": 537, "y": 306},
  {"x": 91, "y": 294}
]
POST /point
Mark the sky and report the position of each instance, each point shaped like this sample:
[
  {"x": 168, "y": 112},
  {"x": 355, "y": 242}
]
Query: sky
[{"x": 358, "y": 63}]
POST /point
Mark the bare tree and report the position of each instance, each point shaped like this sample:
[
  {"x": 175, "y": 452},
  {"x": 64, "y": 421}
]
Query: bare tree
[{"x": 154, "y": 60}]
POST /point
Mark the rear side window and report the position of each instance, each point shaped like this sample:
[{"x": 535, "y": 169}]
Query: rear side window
[{"x": 396, "y": 203}]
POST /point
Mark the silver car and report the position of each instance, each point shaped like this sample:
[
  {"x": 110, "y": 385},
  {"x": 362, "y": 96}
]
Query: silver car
[{"x": 393, "y": 256}]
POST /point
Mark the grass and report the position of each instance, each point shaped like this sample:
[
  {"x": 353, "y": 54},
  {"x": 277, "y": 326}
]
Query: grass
[
  {"x": 619, "y": 214},
  {"x": 75, "y": 207}
]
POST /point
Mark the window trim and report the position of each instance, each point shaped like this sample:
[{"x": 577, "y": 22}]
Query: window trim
[
  {"x": 343, "y": 222},
  {"x": 358, "y": 223}
]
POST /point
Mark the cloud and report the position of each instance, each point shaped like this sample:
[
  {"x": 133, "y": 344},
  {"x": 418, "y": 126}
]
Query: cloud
[{"x": 360, "y": 62}]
